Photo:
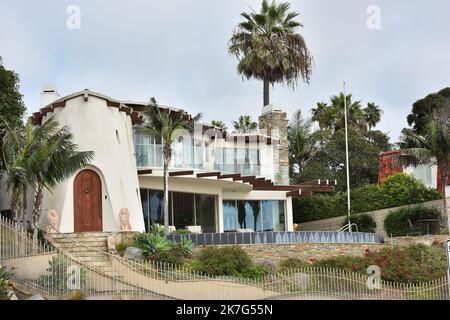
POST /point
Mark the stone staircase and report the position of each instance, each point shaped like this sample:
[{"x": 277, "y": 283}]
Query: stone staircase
[{"x": 87, "y": 248}]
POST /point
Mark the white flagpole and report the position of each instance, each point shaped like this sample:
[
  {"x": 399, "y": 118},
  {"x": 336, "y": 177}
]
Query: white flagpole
[{"x": 347, "y": 163}]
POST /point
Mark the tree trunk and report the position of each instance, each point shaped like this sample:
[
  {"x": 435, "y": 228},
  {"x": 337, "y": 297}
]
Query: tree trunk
[
  {"x": 166, "y": 194},
  {"x": 446, "y": 200},
  {"x": 266, "y": 92},
  {"x": 36, "y": 211}
]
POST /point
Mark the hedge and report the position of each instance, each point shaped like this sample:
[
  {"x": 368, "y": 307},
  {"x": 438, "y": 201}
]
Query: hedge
[
  {"x": 397, "y": 190},
  {"x": 397, "y": 222}
]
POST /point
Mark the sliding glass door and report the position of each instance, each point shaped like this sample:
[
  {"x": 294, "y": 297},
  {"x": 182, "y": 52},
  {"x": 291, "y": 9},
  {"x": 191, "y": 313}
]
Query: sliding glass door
[
  {"x": 185, "y": 209},
  {"x": 254, "y": 215}
]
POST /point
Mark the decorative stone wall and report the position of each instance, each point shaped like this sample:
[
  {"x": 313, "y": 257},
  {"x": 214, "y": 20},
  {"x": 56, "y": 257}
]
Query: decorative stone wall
[
  {"x": 275, "y": 124},
  {"x": 334, "y": 224},
  {"x": 275, "y": 253}
]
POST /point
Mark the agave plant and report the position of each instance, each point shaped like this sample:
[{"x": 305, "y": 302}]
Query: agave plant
[
  {"x": 152, "y": 244},
  {"x": 186, "y": 246}
]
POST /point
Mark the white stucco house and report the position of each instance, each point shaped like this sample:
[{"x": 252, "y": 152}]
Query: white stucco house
[{"x": 218, "y": 182}]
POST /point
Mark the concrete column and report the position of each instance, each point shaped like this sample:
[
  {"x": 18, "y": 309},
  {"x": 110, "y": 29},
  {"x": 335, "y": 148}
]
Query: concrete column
[{"x": 289, "y": 215}]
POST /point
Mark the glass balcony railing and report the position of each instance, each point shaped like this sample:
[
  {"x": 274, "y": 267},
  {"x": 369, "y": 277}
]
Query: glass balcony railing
[{"x": 150, "y": 155}]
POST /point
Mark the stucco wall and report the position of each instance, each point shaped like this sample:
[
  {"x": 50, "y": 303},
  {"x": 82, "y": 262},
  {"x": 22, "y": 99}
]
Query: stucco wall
[
  {"x": 334, "y": 224},
  {"x": 108, "y": 132}
]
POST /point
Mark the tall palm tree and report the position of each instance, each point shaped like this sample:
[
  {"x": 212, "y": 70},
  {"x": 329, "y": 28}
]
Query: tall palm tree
[
  {"x": 165, "y": 123},
  {"x": 219, "y": 124},
  {"x": 355, "y": 115},
  {"x": 372, "y": 115},
  {"x": 245, "y": 124},
  {"x": 430, "y": 148},
  {"x": 318, "y": 114},
  {"x": 268, "y": 47}
]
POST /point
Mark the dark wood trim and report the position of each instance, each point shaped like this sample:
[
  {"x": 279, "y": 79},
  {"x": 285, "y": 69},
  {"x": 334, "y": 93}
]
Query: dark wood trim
[
  {"x": 248, "y": 179},
  {"x": 145, "y": 171},
  {"x": 230, "y": 176},
  {"x": 60, "y": 104},
  {"x": 208, "y": 174},
  {"x": 181, "y": 173},
  {"x": 113, "y": 104}
]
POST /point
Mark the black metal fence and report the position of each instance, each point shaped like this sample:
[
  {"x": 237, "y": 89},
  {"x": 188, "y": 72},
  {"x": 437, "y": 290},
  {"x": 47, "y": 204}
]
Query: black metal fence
[{"x": 279, "y": 237}]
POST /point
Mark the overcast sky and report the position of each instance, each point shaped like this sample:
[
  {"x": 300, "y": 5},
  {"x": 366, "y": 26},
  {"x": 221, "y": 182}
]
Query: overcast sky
[{"x": 176, "y": 50}]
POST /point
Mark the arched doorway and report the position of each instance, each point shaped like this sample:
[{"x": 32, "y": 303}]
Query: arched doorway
[{"x": 87, "y": 201}]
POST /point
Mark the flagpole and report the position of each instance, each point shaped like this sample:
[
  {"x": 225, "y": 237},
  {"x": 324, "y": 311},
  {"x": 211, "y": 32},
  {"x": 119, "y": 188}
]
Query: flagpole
[{"x": 347, "y": 162}]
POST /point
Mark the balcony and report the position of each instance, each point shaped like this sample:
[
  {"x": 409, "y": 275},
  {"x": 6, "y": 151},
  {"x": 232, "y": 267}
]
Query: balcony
[{"x": 150, "y": 155}]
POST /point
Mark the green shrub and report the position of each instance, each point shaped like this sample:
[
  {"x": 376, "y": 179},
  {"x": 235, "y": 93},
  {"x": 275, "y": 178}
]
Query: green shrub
[
  {"x": 364, "y": 222},
  {"x": 414, "y": 264},
  {"x": 397, "y": 222},
  {"x": 122, "y": 246},
  {"x": 397, "y": 190},
  {"x": 255, "y": 271},
  {"x": 292, "y": 263},
  {"x": 227, "y": 261},
  {"x": 174, "y": 255},
  {"x": 4, "y": 281},
  {"x": 57, "y": 279}
]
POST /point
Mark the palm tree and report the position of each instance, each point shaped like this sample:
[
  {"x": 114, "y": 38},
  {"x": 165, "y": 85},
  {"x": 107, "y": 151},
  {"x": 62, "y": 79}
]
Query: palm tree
[
  {"x": 165, "y": 123},
  {"x": 268, "y": 47},
  {"x": 301, "y": 144},
  {"x": 355, "y": 115},
  {"x": 13, "y": 156},
  {"x": 40, "y": 157},
  {"x": 372, "y": 115},
  {"x": 53, "y": 159},
  {"x": 430, "y": 148},
  {"x": 219, "y": 124},
  {"x": 245, "y": 124},
  {"x": 319, "y": 113}
]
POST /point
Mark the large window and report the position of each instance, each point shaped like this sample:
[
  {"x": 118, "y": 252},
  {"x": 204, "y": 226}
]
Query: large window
[
  {"x": 256, "y": 215},
  {"x": 185, "y": 209}
]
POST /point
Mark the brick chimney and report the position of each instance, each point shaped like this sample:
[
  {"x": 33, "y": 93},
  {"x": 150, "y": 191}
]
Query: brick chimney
[{"x": 274, "y": 121}]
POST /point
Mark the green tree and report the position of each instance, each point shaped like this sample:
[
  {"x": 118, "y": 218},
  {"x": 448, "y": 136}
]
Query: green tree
[
  {"x": 355, "y": 115},
  {"x": 372, "y": 115},
  {"x": 268, "y": 47},
  {"x": 424, "y": 108},
  {"x": 431, "y": 147},
  {"x": 245, "y": 124},
  {"x": 44, "y": 155},
  {"x": 303, "y": 143},
  {"x": 12, "y": 108},
  {"x": 167, "y": 125},
  {"x": 219, "y": 124}
]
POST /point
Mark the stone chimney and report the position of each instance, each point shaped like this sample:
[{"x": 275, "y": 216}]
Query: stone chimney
[
  {"x": 275, "y": 123},
  {"x": 49, "y": 94}
]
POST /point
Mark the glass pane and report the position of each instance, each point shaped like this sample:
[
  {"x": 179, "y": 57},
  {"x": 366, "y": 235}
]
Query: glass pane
[
  {"x": 248, "y": 214},
  {"x": 273, "y": 215},
  {"x": 145, "y": 209},
  {"x": 206, "y": 212},
  {"x": 183, "y": 209},
  {"x": 156, "y": 207},
  {"x": 229, "y": 215}
]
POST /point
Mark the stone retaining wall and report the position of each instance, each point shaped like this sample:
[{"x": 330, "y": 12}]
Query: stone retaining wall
[
  {"x": 273, "y": 254},
  {"x": 334, "y": 224}
]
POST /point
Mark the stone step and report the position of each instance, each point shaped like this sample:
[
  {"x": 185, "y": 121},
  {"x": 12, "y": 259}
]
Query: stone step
[
  {"x": 80, "y": 235},
  {"x": 83, "y": 240},
  {"x": 96, "y": 264},
  {"x": 84, "y": 246},
  {"x": 92, "y": 258},
  {"x": 81, "y": 244}
]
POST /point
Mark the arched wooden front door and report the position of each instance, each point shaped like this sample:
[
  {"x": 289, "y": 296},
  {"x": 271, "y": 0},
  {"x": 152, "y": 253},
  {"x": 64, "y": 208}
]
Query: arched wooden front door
[{"x": 87, "y": 201}]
